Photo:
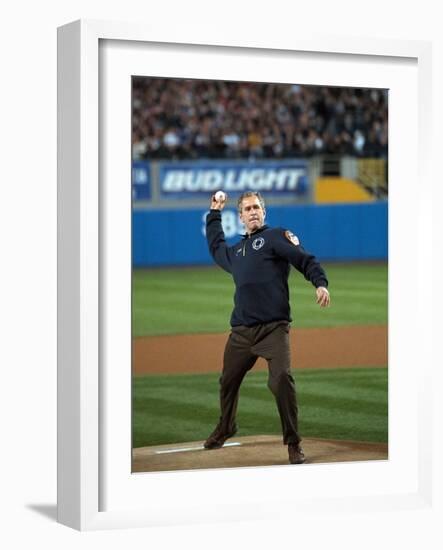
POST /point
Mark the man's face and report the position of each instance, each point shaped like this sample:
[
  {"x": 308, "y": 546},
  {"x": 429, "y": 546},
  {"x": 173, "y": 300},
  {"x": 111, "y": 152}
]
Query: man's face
[{"x": 252, "y": 214}]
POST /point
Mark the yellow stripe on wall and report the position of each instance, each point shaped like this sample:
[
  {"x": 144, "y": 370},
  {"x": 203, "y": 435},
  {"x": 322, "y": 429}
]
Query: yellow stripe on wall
[{"x": 335, "y": 189}]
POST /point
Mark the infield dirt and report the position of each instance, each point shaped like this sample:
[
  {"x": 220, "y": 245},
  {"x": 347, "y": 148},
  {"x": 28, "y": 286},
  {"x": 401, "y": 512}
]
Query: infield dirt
[{"x": 353, "y": 346}]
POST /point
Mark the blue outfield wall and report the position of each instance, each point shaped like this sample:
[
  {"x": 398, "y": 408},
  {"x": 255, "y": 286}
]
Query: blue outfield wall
[{"x": 348, "y": 232}]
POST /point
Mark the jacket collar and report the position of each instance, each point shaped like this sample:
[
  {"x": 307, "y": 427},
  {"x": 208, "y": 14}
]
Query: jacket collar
[{"x": 262, "y": 228}]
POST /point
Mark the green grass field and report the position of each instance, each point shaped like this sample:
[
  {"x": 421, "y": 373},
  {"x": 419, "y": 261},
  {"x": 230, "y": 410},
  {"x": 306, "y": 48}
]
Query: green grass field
[
  {"x": 199, "y": 300},
  {"x": 349, "y": 404}
]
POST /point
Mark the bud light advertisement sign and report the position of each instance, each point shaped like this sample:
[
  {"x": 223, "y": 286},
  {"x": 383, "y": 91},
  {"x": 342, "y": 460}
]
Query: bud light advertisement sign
[{"x": 198, "y": 179}]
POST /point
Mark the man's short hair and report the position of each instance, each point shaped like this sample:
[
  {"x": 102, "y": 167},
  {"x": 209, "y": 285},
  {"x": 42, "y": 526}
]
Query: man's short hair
[{"x": 247, "y": 194}]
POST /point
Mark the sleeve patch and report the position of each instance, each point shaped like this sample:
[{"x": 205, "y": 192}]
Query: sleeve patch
[{"x": 292, "y": 238}]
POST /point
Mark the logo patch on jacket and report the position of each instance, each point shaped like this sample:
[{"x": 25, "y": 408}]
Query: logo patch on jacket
[
  {"x": 258, "y": 243},
  {"x": 291, "y": 237}
]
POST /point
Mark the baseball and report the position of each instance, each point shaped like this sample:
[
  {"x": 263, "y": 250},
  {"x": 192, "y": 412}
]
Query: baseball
[{"x": 220, "y": 196}]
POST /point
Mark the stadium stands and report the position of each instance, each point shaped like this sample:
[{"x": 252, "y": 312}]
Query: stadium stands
[{"x": 193, "y": 119}]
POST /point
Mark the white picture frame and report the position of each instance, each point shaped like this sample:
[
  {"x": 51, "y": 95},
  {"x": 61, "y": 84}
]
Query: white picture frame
[{"x": 84, "y": 218}]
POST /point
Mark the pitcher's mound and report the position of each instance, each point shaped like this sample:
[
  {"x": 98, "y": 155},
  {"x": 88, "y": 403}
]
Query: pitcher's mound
[{"x": 261, "y": 450}]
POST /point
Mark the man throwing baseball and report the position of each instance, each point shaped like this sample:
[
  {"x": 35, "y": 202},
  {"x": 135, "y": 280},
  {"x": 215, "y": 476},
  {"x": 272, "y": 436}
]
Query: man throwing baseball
[{"x": 260, "y": 322}]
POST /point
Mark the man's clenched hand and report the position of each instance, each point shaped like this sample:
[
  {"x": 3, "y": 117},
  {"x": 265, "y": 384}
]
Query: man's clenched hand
[
  {"x": 218, "y": 204},
  {"x": 323, "y": 297}
]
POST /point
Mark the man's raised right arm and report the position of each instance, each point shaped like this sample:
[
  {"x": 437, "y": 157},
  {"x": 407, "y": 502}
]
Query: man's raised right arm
[{"x": 215, "y": 235}]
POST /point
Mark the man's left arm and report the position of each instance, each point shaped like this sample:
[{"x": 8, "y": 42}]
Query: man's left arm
[{"x": 287, "y": 245}]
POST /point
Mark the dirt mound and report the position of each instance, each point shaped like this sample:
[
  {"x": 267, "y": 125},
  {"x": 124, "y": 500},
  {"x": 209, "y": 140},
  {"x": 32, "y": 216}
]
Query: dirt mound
[{"x": 262, "y": 450}]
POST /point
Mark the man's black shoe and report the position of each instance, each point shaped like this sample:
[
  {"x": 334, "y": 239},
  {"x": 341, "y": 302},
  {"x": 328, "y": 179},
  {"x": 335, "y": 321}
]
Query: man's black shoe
[
  {"x": 217, "y": 439},
  {"x": 296, "y": 454}
]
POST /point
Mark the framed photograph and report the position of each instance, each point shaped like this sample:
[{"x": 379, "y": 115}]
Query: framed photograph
[
  {"x": 132, "y": 205},
  {"x": 314, "y": 160}
]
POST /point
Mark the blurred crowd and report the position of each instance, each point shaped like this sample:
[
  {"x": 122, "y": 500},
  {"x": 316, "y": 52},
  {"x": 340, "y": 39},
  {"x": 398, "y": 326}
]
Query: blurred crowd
[{"x": 189, "y": 119}]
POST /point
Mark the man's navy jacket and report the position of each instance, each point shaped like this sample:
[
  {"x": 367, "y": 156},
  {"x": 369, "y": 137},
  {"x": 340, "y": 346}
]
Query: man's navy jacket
[{"x": 260, "y": 265}]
